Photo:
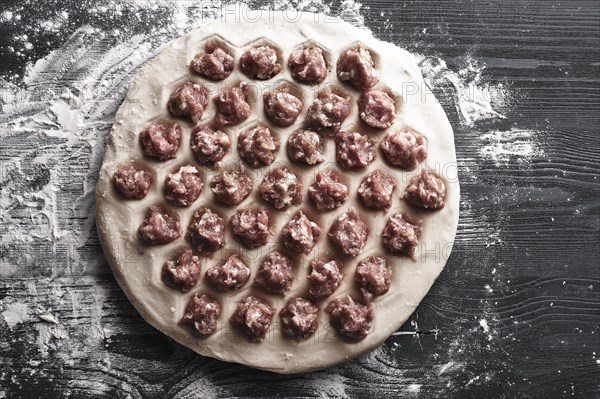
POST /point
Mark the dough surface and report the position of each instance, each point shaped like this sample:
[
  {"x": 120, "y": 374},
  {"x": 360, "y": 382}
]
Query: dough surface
[{"x": 137, "y": 266}]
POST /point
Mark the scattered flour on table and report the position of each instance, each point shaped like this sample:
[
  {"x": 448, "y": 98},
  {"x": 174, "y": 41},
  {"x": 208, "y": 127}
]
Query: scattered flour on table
[{"x": 503, "y": 146}]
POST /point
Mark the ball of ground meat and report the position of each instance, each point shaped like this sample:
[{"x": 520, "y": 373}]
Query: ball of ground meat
[
  {"x": 376, "y": 108},
  {"x": 328, "y": 192},
  {"x": 325, "y": 276},
  {"x": 132, "y": 183},
  {"x": 373, "y": 277},
  {"x": 216, "y": 63},
  {"x": 230, "y": 273},
  {"x": 328, "y": 112},
  {"x": 231, "y": 187},
  {"x": 426, "y": 191},
  {"x": 282, "y": 108},
  {"x": 299, "y": 318},
  {"x": 275, "y": 274},
  {"x": 161, "y": 140},
  {"x": 356, "y": 66},
  {"x": 159, "y": 227},
  {"x": 281, "y": 188},
  {"x": 260, "y": 63},
  {"x": 183, "y": 187},
  {"x": 349, "y": 233},
  {"x": 376, "y": 189},
  {"x": 209, "y": 145},
  {"x": 253, "y": 317},
  {"x": 306, "y": 146},
  {"x": 183, "y": 273},
  {"x": 251, "y": 225},
  {"x": 354, "y": 150},
  {"x": 300, "y": 234},
  {"x": 257, "y": 146},
  {"x": 400, "y": 234},
  {"x": 202, "y": 312},
  {"x": 188, "y": 100},
  {"x": 206, "y": 231},
  {"x": 307, "y": 65},
  {"x": 350, "y": 320},
  {"x": 232, "y": 106},
  {"x": 404, "y": 149}
]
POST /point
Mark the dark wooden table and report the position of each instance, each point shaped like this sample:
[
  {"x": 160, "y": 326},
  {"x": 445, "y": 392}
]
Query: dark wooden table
[{"x": 515, "y": 314}]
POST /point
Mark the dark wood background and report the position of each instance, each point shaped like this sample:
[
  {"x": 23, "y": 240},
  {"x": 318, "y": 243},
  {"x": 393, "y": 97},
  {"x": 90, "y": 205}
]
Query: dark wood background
[{"x": 535, "y": 283}]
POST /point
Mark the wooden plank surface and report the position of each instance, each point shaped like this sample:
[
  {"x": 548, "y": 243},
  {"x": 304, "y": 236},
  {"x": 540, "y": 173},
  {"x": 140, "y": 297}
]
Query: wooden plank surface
[{"x": 516, "y": 313}]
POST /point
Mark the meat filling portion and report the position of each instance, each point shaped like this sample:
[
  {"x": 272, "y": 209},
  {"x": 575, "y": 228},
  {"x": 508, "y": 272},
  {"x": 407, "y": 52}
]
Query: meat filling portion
[
  {"x": 376, "y": 108},
  {"x": 202, "y": 312},
  {"x": 349, "y": 233},
  {"x": 232, "y": 106},
  {"x": 328, "y": 192},
  {"x": 209, "y": 145},
  {"x": 251, "y": 225},
  {"x": 159, "y": 227},
  {"x": 404, "y": 149},
  {"x": 229, "y": 274},
  {"x": 257, "y": 146},
  {"x": 328, "y": 112},
  {"x": 231, "y": 187},
  {"x": 253, "y": 317},
  {"x": 260, "y": 63},
  {"x": 376, "y": 189},
  {"x": 400, "y": 234},
  {"x": 281, "y": 188},
  {"x": 132, "y": 183},
  {"x": 183, "y": 187},
  {"x": 188, "y": 100},
  {"x": 426, "y": 191},
  {"x": 354, "y": 150},
  {"x": 325, "y": 276},
  {"x": 275, "y": 274},
  {"x": 373, "y": 277},
  {"x": 206, "y": 231},
  {"x": 350, "y": 319},
  {"x": 356, "y": 66},
  {"x": 161, "y": 140},
  {"x": 299, "y": 318},
  {"x": 306, "y": 146},
  {"x": 182, "y": 274},
  {"x": 307, "y": 65},
  {"x": 300, "y": 234},
  {"x": 282, "y": 108},
  {"x": 216, "y": 63}
]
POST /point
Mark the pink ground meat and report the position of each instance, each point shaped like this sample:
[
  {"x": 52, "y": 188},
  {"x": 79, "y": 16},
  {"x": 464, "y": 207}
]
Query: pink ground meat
[
  {"x": 349, "y": 233},
  {"x": 404, "y": 149},
  {"x": 400, "y": 234},
  {"x": 182, "y": 273},
  {"x": 253, "y": 317},
  {"x": 426, "y": 191},
  {"x": 257, "y": 146},
  {"x": 325, "y": 277},
  {"x": 131, "y": 182},
  {"x": 216, "y": 63},
  {"x": 376, "y": 108},
  {"x": 209, "y": 145},
  {"x": 306, "y": 146},
  {"x": 300, "y": 234},
  {"x": 251, "y": 225},
  {"x": 328, "y": 112},
  {"x": 232, "y": 106},
  {"x": 231, "y": 187},
  {"x": 307, "y": 65},
  {"x": 188, "y": 100},
  {"x": 299, "y": 318},
  {"x": 282, "y": 108},
  {"x": 206, "y": 231},
  {"x": 350, "y": 319},
  {"x": 354, "y": 150},
  {"x": 201, "y": 313},
  {"x": 356, "y": 66},
  {"x": 328, "y": 192},
  {"x": 281, "y": 188},
  {"x": 161, "y": 140},
  {"x": 229, "y": 274},
  {"x": 159, "y": 227},
  {"x": 183, "y": 187},
  {"x": 275, "y": 274},
  {"x": 260, "y": 63},
  {"x": 373, "y": 277},
  {"x": 376, "y": 189}
]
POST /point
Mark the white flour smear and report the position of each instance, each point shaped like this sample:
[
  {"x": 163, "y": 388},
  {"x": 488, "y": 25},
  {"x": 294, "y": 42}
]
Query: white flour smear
[{"x": 62, "y": 113}]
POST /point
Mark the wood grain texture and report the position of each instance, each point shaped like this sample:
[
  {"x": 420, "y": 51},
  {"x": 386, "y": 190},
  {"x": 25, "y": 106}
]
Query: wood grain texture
[{"x": 515, "y": 314}]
